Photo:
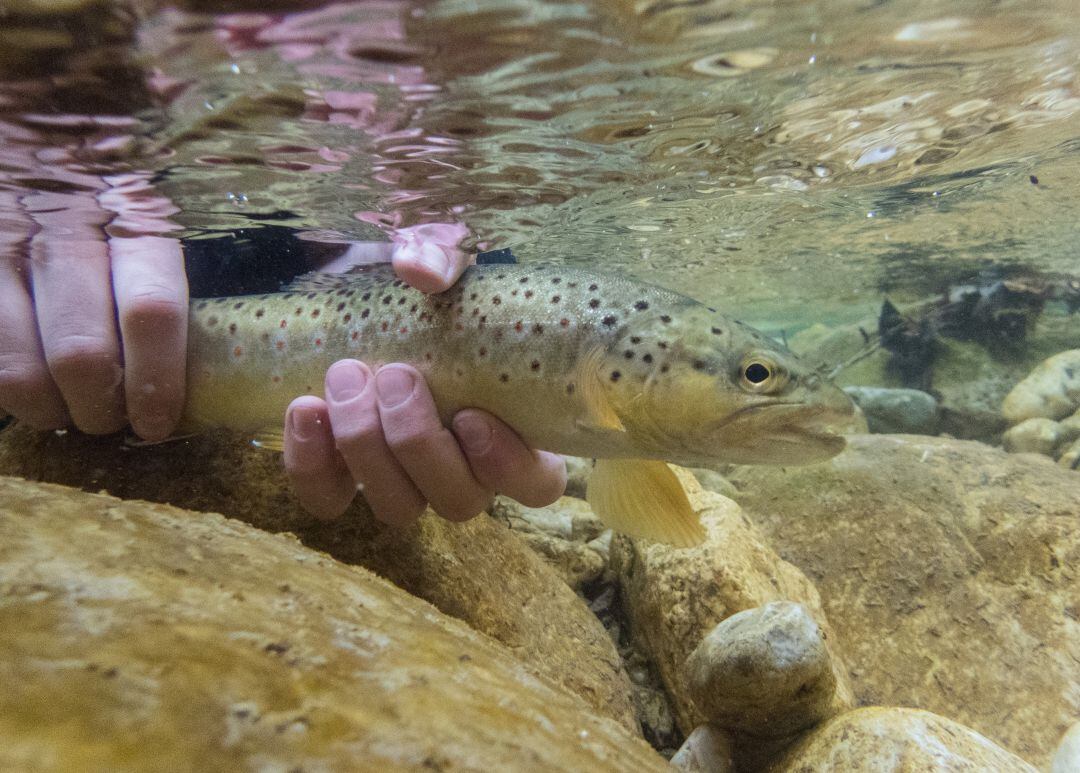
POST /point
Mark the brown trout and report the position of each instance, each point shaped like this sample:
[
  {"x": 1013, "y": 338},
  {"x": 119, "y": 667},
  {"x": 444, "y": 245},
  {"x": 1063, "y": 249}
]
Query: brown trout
[{"x": 578, "y": 363}]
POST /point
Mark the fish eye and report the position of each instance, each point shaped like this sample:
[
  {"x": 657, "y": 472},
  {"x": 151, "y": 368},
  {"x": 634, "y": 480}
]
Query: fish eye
[{"x": 761, "y": 375}]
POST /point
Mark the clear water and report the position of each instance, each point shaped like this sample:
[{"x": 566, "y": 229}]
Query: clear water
[{"x": 790, "y": 162}]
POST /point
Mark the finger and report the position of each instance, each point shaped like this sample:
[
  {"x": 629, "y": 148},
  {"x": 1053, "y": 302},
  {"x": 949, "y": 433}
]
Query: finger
[
  {"x": 427, "y": 451},
  {"x": 429, "y": 257},
  {"x": 318, "y": 475},
  {"x": 152, "y": 302},
  {"x": 502, "y": 462},
  {"x": 354, "y": 417},
  {"x": 27, "y": 390},
  {"x": 75, "y": 310}
]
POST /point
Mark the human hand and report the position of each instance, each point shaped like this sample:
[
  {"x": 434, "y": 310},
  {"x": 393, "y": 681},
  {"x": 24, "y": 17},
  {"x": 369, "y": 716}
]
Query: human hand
[{"x": 380, "y": 433}]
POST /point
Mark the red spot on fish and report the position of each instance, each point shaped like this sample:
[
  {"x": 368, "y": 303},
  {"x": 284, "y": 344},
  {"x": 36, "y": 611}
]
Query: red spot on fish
[
  {"x": 518, "y": 326},
  {"x": 237, "y": 351},
  {"x": 385, "y": 326},
  {"x": 280, "y": 345},
  {"x": 529, "y": 293},
  {"x": 355, "y": 335},
  {"x": 404, "y": 330},
  {"x": 458, "y": 326},
  {"x": 284, "y": 324},
  {"x": 276, "y": 379},
  {"x": 347, "y": 318},
  {"x": 318, "y": 342},
  {"x": 314, "y": 313},
  {"x": 564, "y": 322}
]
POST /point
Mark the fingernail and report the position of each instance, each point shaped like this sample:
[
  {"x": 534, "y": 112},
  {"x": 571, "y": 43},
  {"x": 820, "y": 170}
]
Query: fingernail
[
  {"x": 473, "y": 432},
  {"x": 305, "y": 422},
  {"x": 433, "y": 257},
  {"x": 394, "y": 386},
  {"x": 344, "y": 381}
]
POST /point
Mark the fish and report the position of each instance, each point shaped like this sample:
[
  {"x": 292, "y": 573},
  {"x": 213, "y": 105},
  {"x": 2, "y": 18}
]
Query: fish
[{"x": 577, "y": 362}]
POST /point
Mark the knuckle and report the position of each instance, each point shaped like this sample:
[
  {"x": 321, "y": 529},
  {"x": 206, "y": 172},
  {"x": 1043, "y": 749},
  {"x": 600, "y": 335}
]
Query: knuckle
[
  {"x": 155, "y": 305},
  {"x": 21, "y": 374},
  {"x": 80, "y": 356}
]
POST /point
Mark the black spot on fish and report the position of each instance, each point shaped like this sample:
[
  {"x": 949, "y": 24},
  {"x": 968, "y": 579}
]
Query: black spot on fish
[
  {"x": 699, "y": 365},
  {"x": 593, "y": 288},
  {"x": 646, "y": 358},
  {"x": 556, "y": 280},
  {"x": 259, "y": 314},
  {"x": 665, "y": 318},
  {"x": 610, "y": 320},
  {"x": 615, "y": 375},
  {"x": 662, "y": 344},
  {"x": 496, "y": 300},
  {"x": 717, "y": 331},
  {"x": 665, "y": 368},
  {"x": 641, "y": 305},
  {"x": 365, "y": 314},
  {"x": 523, "y": 280},
  {"x": 232, "y": 328},
  {"x": 474, "y": 296},
  {"x": 314, "y": 314},
  {"x": 538, "y": 328},
  {"x": 535, "y": 365},
  {"x": 635, "y": 339},
  {"x": 299, "y": 310},
  {"x": 211, "y": 321},
  {"x": 412, "y": 309},
  {"x": 504, "y": 377},
  {"x": 594, "y": 303},
  {"x": 401, "y": 301},
  {"x": 238, "y": 306},
  {"x": 347, "y": 318},
  {"x": 341, "y": 306},
  {"x": 483, "y": 351},
  {"x": 529, "y": 293},
  {"x": 569, "y": 389},
  {"x": 365, "y": 297},
  {"x": 311, "y": 296},
  {"x": 628, "y": 354},
  {"x": 556, "y": 298},
  {"x": 201, "y": 306},
  {"x": 387, "y": 298}
]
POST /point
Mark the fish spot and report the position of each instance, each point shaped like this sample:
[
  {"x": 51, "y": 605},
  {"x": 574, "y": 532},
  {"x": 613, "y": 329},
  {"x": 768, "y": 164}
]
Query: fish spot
[
  {"x": 615, "y": 375},
  {"x": 564, "y": 322},
  {"x": 535, "y": 365},
  {"x": 571, "y": 284},
  {"x": 387, "y": 298},
  {"x": 538, "y": 328},
  {"x": 318, "y": 342},
  {"x": 717, "y": 331},
  {"x": 238, "y": 306},
  {"x": 593, "y": 288},
  {"x": 518, "y": 326},
  {"x": 365, "y": 313},
  {"x": 523, "y": 280},
  {"x": 556, "y": 280},
  {"x": 641, "y": 305},
  {"x": 474, "y": 296},
  {"x": 232, "y": 328},
  {"x": 496, "y": 300},
  {"x": 259, "y": 314},
  {"x": 628, "y": 354},
  {"x": 483, "y": 319},
  {"x": 529, "y": 293},
  {"x": 398, "y": 283},
  {"x": 665, "y": 368},
  {"x": 501, "y": 276},
  {"x": 385, "y": 326},
  {"x": 355, "y": 334},
  {"x": 483, "y": 351},
  {"x": 211, "y": 321},
  {"x": 365, "y": 297},
  {"x": 646, "y": 358},
  {"x": 201, "y": 306},
  {"x": 341, "y": 306},
  {"x": 299, "y": 311},
  {"x": 665, "y": 318},
  {"x": 311, "y": 296},
  {"x": 556, "y": 298},
  {"x": 458, "y": 326},
  {"x": 237, "y": 351},
  {"x": 698, "y": 365},
  {"x": 570, "y": 389},
  {"x": 265, "y": 338},
  {"x": 403, "y": 330},
  {"x": 315, "y": 313},
  {"x": 401, "y": 300},
  {"x": 347, "y": 318},
  {"x": 284, "y": 324},
  {"x": 476, "y": 311},
  {"x": 276, "y": 379},
  {"x": 513, "y": 292},
  {"x": 429, "y": 356},
  {"x": 635, "y": 339},
  {"x": 280, "y": 345},
  {"x": 288, "y": 296},
  {"x": 504, "y": 377},
  {"x": 459, "y": 372},
  {"x": 610, "y": 320},
  {"x": 351, "y": 293},
  {"x": 413, "y": 308},
  {"x": 662, "y": 344},
  {"x": 594, "y": 303}
]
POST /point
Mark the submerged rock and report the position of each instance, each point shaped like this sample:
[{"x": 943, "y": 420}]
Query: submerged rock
[
  {"x": 706, "y": 750},
  {"x": 479, "y": 572},
  {"x": 949, "y": 571},
  {"x": 141, "y": 636},
  {"x": 1067, "y": 757},
  {"x": 897, "y": 410},
  {"x": 765, "y": 672},
  {"x": 891, "y": 740},
  {"x": 1051, "y": 390},
  {"x": 1039, "y": 436},
  {"x": 675, "y": 597}
]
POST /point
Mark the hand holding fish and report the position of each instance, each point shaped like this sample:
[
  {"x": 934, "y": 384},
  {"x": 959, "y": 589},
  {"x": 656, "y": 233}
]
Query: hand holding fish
[{"x": 382, "y": 433}]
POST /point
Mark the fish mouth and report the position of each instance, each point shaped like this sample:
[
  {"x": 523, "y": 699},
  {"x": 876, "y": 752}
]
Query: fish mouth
[{"x": 784, "y": 433}]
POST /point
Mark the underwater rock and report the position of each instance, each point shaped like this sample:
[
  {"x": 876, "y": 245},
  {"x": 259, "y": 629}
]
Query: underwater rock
[
  {"x": 1051, "y": 390},
  {"x": 1039, "y": 436},
  {"x": 577, "y": 475},
  {"x": 890, "y": 740},
  {"x": 1067, "y": 757},
  {"x": 479, "y": 572},
  {"x": 765, "y": 671},
  {"x": 706, "y": 750},
  {"x": 674, "y": 597},
  {"x": 897, "y": 410},
  {"x": 141, "y": 636},
  {"x": 949, "y": 571},
  {"x": 969, "y": 380},
  {"x": 1070, "y": 458},
  {"x": 577, "y": 563}
]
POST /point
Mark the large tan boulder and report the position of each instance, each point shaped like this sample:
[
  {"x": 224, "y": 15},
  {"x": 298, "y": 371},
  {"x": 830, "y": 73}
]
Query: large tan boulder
[
  {"x": 949, "y": 571},
  {"x": 676, "y": 597},
  {"x": 892, "y": 740},
  {"x": 479, "y": 572},
  {"x": 136, "y": 636}
]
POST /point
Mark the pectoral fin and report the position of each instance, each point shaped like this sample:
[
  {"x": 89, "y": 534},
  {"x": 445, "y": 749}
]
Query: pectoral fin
[
  {"x": 643, "y": 499},
  {"x": 598, "y": 411}
]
